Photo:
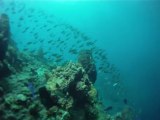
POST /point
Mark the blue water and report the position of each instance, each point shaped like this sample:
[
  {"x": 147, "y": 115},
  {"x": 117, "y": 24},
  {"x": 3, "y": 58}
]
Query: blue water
[{"x": 129, "y": 31}]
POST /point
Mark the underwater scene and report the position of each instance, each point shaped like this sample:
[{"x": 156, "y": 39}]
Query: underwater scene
[{"x": 79, "y": 60}]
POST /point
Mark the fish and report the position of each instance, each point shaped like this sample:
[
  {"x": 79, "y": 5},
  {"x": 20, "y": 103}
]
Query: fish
[
  {"x": 19, "y": 25},
  {"x": 109, "y": 108},
  {"x": 125, "y": 101},
  {"x": 21, "y": 9},
  {"x": 89, "y": 43},
  {"x": 55, "y": 54},
  {"x": 49, "y": 29},
  {"x": 7, "y": 9},
  {"x": 42, "y": 40},
  {"x": 82, "y": 45},
  {"x": 68, "y": 34},
  {"x": 49, "y": 41},
  {"x": 28, "y": 43},
  {"x": 21, "y": 18},
  {"x": 63, "y": 32},
  {"x": 115, "y": 84},
  {"x": 32, "y": 89},
  {"x": 35, "y": 34},
  {"x": 25, "y": 49},
  {"x": 58, "y": 60},
  {"x": 73, "y": 51},
  {"x": 36, "y": 37},
  {"x": 35, "y": 21},
  {"x": 62, "y": 49},
  {"x": 100, "y": 68},
  {"x": 44, "y": 53},
  {"x": 49, "y": 58},
  {"x": 44, "y": 26},
  {"x": 13, "y": 12},
  {"x": 25, "y": 29},
  {"x": 55, "y": 26},
  {"x": 61, "y": 42}
]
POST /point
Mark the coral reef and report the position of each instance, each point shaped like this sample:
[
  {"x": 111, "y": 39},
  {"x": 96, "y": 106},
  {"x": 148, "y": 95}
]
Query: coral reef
[
  {"x": 37, "y": 90},
  {"x": 69, "y": 88}
]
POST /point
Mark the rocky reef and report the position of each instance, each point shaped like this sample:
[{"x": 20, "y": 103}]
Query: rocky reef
[{"x": 33, "y": 90}]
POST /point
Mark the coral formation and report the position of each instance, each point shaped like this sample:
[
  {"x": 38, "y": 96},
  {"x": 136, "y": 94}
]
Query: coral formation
[{"x": 69, "y": 88}]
